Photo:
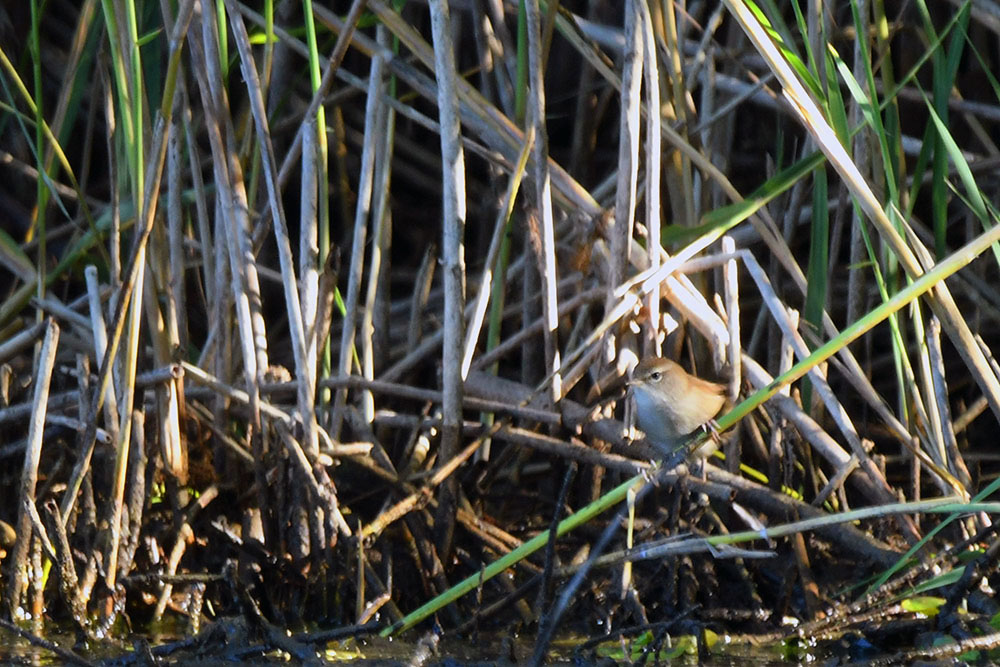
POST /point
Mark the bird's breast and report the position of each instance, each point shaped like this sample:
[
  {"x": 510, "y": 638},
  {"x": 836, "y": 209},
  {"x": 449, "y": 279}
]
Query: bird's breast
[{"x": 654, "y": 418}]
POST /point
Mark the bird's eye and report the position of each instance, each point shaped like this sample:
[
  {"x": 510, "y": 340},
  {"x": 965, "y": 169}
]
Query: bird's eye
[{"x": 656, "y": 376}]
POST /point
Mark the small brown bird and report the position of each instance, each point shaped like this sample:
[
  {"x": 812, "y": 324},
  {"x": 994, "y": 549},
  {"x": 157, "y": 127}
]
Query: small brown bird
[{"x": 670, "y": 404}]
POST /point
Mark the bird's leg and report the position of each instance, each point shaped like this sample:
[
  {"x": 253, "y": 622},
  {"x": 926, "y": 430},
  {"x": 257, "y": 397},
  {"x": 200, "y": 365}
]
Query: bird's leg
[
  {"x": 649, "y": 474},
  {"x": 711, "y": 427}
]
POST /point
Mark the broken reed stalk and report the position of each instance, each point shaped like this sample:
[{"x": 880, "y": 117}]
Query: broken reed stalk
[{"x": 16, "y": 562}]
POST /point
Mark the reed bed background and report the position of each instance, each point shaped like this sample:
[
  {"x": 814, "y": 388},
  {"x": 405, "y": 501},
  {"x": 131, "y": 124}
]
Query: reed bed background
[{"x": 316, "y": 317}]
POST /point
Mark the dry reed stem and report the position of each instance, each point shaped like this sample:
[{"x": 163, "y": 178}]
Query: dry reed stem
[
  {"x": 453, "y": 264},
  {"x": 297, "y": 327},
  {"x": 16, "y": 561},
  {"x": 376, "y": 297},
  {"x": 543, "y": 199},
  {"x": 362, "y": 213}
]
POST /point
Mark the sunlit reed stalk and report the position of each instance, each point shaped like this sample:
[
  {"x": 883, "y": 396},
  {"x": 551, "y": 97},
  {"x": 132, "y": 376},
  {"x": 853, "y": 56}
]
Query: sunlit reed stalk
[{"x": 16, "y": 560}]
